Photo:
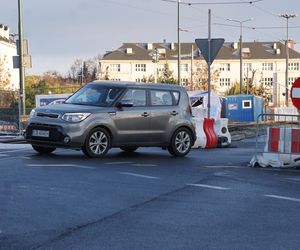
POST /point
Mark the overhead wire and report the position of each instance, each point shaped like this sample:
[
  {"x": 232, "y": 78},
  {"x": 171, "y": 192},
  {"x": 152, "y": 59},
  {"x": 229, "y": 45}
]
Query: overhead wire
[{"x": 214, "y": 3}]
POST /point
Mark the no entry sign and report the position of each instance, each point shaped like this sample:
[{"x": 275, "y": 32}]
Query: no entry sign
[{"x": 295, "y": 93}]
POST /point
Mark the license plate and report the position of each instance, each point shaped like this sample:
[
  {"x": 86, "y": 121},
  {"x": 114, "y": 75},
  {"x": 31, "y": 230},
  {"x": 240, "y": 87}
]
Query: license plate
[{"x": 40, "y": 133}]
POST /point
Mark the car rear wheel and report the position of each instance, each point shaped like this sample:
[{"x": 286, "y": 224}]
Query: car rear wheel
[
  {"x": 43, "y": 150},
  {"x": 97, "y": 143},
  {"x": 129, "y": 149},
  {"x": 181, "y": 142}
]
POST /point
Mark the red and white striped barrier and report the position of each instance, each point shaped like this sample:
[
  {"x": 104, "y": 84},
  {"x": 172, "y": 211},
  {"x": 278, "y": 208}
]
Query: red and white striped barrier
[
  {"x": 282, "y": 148},
  {"x": 283, "y": 140},
  {"x": 209, "y": 130}
]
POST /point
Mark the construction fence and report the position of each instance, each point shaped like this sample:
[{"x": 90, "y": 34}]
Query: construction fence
[
  {"x": 277, "y": 141},
  {"x": 9, "y": 111},
  {"x": 10, "y": 121}
]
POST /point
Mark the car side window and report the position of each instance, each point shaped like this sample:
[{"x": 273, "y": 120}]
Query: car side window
[
  {"x": 136, "y": 96},
  {"x": 161, "y": 98}
]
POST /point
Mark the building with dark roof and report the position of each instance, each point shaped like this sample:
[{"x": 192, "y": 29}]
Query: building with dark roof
[
  {"x": 8, "y": 49},
  {"x": 264, "y": 62}
]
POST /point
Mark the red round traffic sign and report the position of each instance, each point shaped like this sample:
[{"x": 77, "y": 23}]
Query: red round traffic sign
[{"x": 295, "y": 93}]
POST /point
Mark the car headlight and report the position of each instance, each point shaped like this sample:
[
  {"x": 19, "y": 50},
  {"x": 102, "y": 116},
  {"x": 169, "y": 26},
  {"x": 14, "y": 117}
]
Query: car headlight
[
  {"x": 75, "y": 117},
  {"x": 32, "y": 113}
]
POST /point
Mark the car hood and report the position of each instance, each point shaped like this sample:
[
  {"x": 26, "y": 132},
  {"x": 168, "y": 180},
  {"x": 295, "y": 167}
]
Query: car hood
[{"x": 71, "y": 108}]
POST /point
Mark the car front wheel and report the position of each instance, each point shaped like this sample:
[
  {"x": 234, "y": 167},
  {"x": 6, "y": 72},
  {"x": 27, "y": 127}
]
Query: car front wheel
[
  {"x": 97, "y": 143},
  {"x": 181, "y": 142}
]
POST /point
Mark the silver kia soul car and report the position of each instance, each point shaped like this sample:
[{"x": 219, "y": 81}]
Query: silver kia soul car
[{"x": 102, "y": 115}]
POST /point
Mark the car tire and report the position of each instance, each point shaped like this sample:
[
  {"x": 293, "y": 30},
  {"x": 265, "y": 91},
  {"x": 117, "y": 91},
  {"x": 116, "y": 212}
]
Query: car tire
[
  {"x": 129, "y": 149},
  {"x": 43, "y": 150},
  {"x": 97, "y": 143},
  {"x": 181, "y": 142}
]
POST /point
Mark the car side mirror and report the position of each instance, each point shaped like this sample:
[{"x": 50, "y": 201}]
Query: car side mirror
[{"x": 124, "y": 103}]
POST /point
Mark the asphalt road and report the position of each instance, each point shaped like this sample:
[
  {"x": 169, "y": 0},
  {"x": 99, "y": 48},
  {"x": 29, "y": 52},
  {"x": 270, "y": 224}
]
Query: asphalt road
[{"x": 210, "y": 199}]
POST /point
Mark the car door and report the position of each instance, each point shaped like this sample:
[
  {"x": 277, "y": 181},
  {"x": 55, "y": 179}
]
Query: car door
[
  {"x": 133, "y": 123},
  {"x": 164, "y": 112}
]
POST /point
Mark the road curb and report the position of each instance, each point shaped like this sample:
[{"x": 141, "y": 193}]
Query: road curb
[{"x": 15, "y": 140}]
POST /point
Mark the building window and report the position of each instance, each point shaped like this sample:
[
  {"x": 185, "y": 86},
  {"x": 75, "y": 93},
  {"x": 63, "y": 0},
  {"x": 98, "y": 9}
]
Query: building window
[
  {"x": 247, "y": 67},
  {"x": 292, "y": 80},
  {"x": 247, "y": 104},
  {"x": 115, "y": 67},
  {"x": 161, "y": 67},
  {"x": 293, "y": 66},
  {"x": 224, "y": 82},
  {"x": 268, "y": 81},
  {"x": 184, "y": 81},
  {"x": 184, "y": 67},
  {"x": 225, "y": 67},
  {"x": 267, "y": 66},
  {"x": 115, "y": 79},
  {"x": 140, "y": 67}
]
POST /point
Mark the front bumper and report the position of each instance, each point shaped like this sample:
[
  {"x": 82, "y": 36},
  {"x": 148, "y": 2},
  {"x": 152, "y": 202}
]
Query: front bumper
[{"x": 60, "y": 135}]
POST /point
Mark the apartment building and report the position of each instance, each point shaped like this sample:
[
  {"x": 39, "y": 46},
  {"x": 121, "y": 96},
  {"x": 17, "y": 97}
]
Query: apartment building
[
  {"x": 263, "y": 62},
  {"x": 8, "y": 49}
]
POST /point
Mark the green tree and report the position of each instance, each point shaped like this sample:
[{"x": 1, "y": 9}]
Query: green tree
[
  {"x": 167, "y": 75},
  {"x": 235, "y": 89}
]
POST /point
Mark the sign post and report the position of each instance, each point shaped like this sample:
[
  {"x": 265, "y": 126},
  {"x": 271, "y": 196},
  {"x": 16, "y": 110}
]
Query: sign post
[{"x": 209, "y": 49}]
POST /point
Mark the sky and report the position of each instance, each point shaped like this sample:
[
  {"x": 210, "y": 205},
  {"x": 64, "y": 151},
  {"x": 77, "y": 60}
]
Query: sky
[{"x": 61, "y": 31}]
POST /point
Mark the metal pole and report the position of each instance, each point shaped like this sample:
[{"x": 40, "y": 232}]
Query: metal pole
[
  {"x": 209, "y": 63},
  {"x": 241, "y": 58},
  {"x": 21, "y": 61},
  {"x": 287, "y": 64},
  {"x": 81, "y": 72},
  {"x": 287, "y": 17},
  {"x": 155, "y": 65},
  {"x": 247, "y": 80},
  {"x": 178, "y": 42},
  {"x": 192, "y": 62}
]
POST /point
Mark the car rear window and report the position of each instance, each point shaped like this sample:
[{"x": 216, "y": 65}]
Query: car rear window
[{"x": 161, "y": 98}]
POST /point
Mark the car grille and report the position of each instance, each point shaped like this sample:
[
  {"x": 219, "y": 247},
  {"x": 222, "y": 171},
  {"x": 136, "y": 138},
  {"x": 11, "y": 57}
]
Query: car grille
[{"x": 47, "y": 115}]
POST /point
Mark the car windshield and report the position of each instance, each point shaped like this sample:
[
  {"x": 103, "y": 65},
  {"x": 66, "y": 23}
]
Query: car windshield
[{"x": 95, "y": 95}]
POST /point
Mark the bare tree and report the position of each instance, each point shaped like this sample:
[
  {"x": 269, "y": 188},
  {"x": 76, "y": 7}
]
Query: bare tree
[
  {"x": 5, "y": 74},
  {"x": 87, "y": 69},
  {"x": 200, "y": 77}
]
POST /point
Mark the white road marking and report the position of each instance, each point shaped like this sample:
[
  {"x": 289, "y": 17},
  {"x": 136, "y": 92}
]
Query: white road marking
[
  {"x": 3, "y": 155},
  {"x": 26, "y": 157},
  {"x": 208, "y": 186},
  {"x": 282, "y": 197},
  {"x": 14, "y": 151},
  {"x": 118, "y": 162},
  {"x": 223, "y": 167},
  {"x": 139, "y": 175},
  {"x": 144, "y": 165},
  {"x": 58, "y": 165},
  {"x": 293, "y": 179}
]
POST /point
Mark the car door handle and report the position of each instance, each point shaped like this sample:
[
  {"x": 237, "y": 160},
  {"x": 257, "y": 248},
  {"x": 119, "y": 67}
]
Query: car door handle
[
  {"x": 145, "y": 114},
  {"x": 174, "y": 113}
]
